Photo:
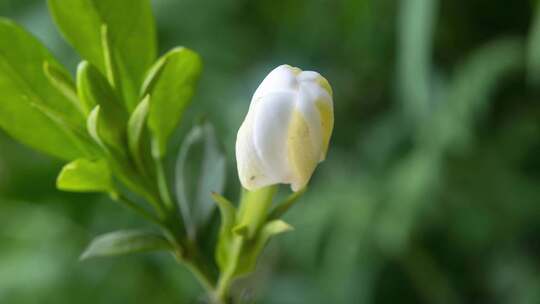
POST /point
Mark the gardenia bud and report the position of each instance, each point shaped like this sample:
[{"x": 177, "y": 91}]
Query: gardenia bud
[{"x": 287, "y": 129}]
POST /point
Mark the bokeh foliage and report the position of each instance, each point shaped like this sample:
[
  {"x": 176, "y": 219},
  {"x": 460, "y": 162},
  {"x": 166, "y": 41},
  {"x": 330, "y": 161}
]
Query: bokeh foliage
[{"x": 431, "y": 193}]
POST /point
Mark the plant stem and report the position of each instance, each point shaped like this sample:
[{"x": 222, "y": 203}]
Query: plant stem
[
  {"x": 252, "y": 215},
  {"x": 227, "y": 276},
  {"x": 253, "y": 210},
  {"x": 186, "y": 251},
  {"x": 199, "y": 271},
  {"x": 190, "y": 257}
]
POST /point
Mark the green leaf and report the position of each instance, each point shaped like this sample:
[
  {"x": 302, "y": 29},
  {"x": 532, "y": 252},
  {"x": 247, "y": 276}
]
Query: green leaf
[
  {"x": 152, "y": 75},
  {"x": 253, "y": 249},
  {"x": 23, "y": 83},
  {"x": 171, "y": 89},
  {"x": 76, "y": 134},
  {"x": 85, "y": 175},
  {"x": 121, "y": 166},
  {"x": 93, "y": 127},
  {"x": 135, "y": 131},
  {"x": 131, "y": 31},
  {"x": 94, "y": 90},
  {"x": 200, "y": 171},
  {"x": 225, "y": 239},
  {"x": 125, "y": 242},
  {"x": 63, "y": 82},
  {"x": 111, "y": 70}
]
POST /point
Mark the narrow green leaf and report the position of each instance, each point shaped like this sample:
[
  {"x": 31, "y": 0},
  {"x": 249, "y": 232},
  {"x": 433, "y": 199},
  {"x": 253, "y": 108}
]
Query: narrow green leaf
[
  {"x": 283, "y": 207},
  {"x": 200, "y": 171},
  {"x": 125, "y": 242},
  {"x": 253, "y": 249},
  {"x": 227, "y": 210},
  {"x": 94, "y": 90},
  {"x": 131, "y": 31},
  {"x": 225, "y": 238},
  {"x": 152, "y": 75},
  {"x": 93, "y": 126},
  {"x": 271, "y": 229},
  {"x": 135, "y": 131},
  {"x": 88, "y": 102},
  {"x": 122, "y": 168},
  {"x": 85, "y": 175},
  {"x": 110, "y": 69},
  {"x": 63, "y": 82},
  {"x": 23, "y": 83},
  {"x": 171, "y": 93}
]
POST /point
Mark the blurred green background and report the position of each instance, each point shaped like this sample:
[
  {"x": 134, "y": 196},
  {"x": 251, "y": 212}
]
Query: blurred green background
[{"x": 431, "y": 193}]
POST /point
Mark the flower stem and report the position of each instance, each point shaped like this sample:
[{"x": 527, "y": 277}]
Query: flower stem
[
  {"x": 254, "y": 207},
  {"x": 252, "y": 215}
]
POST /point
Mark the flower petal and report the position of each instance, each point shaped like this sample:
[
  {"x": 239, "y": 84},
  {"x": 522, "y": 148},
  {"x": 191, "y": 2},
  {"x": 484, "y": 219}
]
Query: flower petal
[
  {"x": 281, "y": 79},
  {"x": 270, "y": 127},
  {"x": 302, "y": 158},
  {"x": 250, "y": 168}
]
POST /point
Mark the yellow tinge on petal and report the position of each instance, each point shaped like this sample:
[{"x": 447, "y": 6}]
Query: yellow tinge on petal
[
  {"x": 325, "y": 84},
  {"x": 302, "y": 158},
  {"x": 327, "y": 124}
]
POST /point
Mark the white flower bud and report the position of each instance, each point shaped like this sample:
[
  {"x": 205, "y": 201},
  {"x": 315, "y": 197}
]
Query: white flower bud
[{"x": 287, "y": 129}]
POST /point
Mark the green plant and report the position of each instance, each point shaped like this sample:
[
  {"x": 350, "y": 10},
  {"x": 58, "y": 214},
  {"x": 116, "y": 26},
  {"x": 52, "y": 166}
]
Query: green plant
[{"x": 112, "y": 124}]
